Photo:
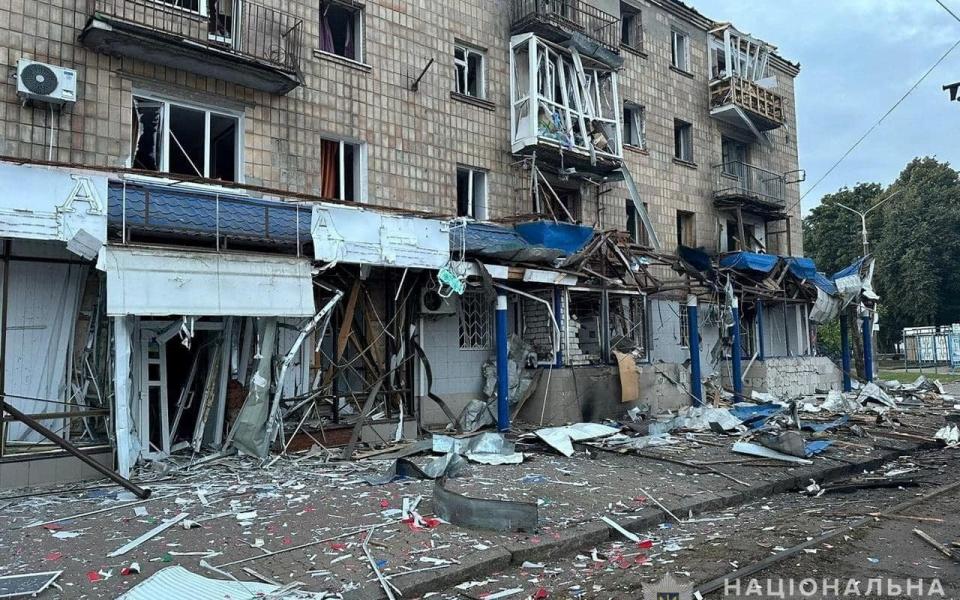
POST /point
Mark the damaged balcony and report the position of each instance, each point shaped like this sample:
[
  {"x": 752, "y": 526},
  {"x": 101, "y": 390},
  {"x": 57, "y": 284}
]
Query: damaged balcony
[
  {"x": 561, "y": 20},
  {"x": 564, "y": 106},
  {"x": 742, "y": 91},
  {"x": 741, "y": 185},
  {"x": 233, "y": 40}
]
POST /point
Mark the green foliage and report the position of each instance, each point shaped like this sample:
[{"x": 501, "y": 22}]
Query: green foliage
[
  {"x": 828, "y": 338},
  {"x": 915, "y": 238}
]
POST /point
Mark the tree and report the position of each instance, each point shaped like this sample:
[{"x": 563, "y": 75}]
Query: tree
[{"x": 831, "y": 234}]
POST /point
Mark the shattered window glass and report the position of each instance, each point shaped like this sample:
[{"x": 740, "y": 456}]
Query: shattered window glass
[
  {"x": 628, "y": 330},
  {"x": 147, "y": 133},
  {"x": 468, "y": 69}
]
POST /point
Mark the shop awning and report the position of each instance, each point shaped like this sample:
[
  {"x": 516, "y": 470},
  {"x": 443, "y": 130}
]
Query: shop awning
[
  {"x": 159, "y": 282},
  {"x": 749, "y": 261}
]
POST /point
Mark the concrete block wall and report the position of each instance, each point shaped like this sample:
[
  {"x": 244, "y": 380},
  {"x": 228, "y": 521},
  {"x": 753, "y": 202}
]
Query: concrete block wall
[
  {"x": 788, "y": 378},
  {"x": 539, "y": 329}
]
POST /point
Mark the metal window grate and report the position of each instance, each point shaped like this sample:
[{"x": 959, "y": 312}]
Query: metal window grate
[{"x": 475, "y": 321}]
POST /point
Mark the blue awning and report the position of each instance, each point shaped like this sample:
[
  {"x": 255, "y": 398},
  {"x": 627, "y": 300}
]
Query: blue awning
[
  {"x": 749, "y": 261},
  {"x": 568, "y": 237},
  {"x": 804, "y": 268},
  {"x": 853, "y": 269},
  {"x": 494, "y": 241}
]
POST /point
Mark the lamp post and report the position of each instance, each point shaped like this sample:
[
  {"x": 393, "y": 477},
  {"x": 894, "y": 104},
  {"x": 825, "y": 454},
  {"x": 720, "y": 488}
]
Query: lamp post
[{"x": 863, "y": 219}]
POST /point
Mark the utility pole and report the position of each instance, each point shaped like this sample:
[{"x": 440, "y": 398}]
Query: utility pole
[{"x": 865, "y": 369}]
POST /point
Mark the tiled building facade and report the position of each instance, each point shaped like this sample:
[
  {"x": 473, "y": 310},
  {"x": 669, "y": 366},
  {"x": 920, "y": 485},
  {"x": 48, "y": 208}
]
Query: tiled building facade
[{"x": 410, "y": 142}]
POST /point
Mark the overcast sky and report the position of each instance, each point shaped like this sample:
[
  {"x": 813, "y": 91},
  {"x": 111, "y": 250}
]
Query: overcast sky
[{"x": 857, "y": 58}]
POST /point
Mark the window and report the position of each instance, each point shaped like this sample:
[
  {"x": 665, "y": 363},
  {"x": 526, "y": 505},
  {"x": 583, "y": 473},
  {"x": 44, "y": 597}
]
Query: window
[
  {"x": 680, "y": 50},
  {"x": 733, "y": 237},
  {"x": 684, "y": 326},
  {"x": 471, "y": 193},
  {"x": 341, "y": 29},
  {"x": 685, "y": 229},
  {"x": 627, "y": 323},
  {"x": 475, "y": 319},
  {"x": 170, "y": 137},
  {"x": 341, "y": 170},
  {"x": 635, "y": 227},
  {"x": 469, "y": 67},
  {"x": 683, "y": 140},
  {"x": 631, "y": 27},
  {"x": 559, "y": 202},
  {"x": 734, "y": 156},
  {"x": 634, "y": 125},
  {"x": 191, "y": 5}
]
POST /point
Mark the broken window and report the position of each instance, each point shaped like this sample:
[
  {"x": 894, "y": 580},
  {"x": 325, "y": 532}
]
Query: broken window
[
  {"x": 631, "y": 26},
  {"x": 341, "y": 29},
  {"x": 584, "y": 329},
  {"x": 190, "y": 5},
  {"x": 683, "y": 140},
  {"x": 471, "y": 193},
  {"x": 747, "y": 336},
  {"x": 469, "y": 67},
  {"x": 686, "y": 233},
  {"x": 627, "y": 323},
  {"x": 680, "y": 50},
  {"x": 475, "y": 320},
  {"x": 220, "y": 15},
  {"x": 171, "y": 137},
  {"x": 634, "y": 125},
  {"x": 733, "y": 237},
  {"x": 638, "y": 233},
  {"x": 560, "y": 203},
  {"x": 734, "y": 156},
  {"x": 341, "y": 170}
]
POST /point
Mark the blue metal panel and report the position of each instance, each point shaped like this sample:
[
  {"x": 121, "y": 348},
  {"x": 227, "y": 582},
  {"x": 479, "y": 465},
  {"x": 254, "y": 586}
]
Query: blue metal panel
[
  {"x": 567, "y": 237},
  {"x": 165, "y": 209},
  {"x": 749, "y": 261}
]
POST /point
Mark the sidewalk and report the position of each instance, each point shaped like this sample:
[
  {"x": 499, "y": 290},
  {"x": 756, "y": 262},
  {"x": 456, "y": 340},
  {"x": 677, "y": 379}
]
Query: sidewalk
[{"x": 304, "y": 520}]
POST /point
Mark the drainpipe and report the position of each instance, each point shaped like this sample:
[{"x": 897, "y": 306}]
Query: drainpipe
[
  {"x": 696, "y": 388},
  {"x": 761, "y": 348},
  {"x": 737, "y": 351},
  {"x": 845, "y": 352},
  {"x": 867, "y": 319},
  {"x": 503, "y": 383}
]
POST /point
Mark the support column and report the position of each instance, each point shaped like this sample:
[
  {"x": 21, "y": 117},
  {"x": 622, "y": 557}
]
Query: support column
[
  {"x": 867, "y": 319},
  {"x": 845, "y": 352},
  {"x": 737, "y": 357},
  {"x": 503, "y": 372},
  {"x": 693, "y": 325},
  {"x": 761, "y": 345}
]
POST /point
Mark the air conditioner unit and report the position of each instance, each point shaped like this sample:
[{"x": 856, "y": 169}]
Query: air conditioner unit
[
  {"x": 49, "y": 84},
  {"x": 432, "y": 303}
]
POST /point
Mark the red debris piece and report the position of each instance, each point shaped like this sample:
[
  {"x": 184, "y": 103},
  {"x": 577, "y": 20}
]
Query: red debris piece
[
  {"x": 338, "y": 546},
  {"x": 53, "y": 527},
  {"x": 540, "y": 594},
  {"x": 54, "y": 555},
  {"x": 287, "y": 540},
  {"x": 645, "y": 544},
  {"x": 93, "y": 576},
  {"x": 384, "y": 503}
]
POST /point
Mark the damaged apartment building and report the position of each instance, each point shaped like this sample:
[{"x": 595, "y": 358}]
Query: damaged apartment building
[{"x": 268, "y": 227}]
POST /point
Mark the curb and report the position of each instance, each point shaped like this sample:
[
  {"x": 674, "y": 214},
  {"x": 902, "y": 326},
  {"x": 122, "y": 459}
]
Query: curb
[{"x": 590, "y": 534}]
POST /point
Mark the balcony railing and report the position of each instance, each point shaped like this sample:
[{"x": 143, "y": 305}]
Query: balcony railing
[
  {"x": 238, "y": 27},
  {"x": 741, "y": 181},
  {"x": 758, "y": 101},
  {"x": 570, "y": 16}
]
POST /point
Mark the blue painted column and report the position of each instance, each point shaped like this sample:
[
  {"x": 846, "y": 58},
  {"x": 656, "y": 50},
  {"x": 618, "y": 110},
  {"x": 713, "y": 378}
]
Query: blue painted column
[
  {"x": 696, "y": 387},
  {"x": 761, "y": 347},
  {"x": 737, "y": 358},
  {"x": 867, "y": 346},
  {"x": 845, "y": 352},
  {"x": 503, "y": 372}
]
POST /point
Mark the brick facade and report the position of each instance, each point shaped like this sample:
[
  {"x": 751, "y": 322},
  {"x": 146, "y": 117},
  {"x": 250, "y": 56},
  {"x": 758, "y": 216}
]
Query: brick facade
[{"x": 414, "y": 139}]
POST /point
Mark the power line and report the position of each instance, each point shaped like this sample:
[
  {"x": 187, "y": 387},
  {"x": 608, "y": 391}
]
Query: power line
[{"x": 885, "y": 115}]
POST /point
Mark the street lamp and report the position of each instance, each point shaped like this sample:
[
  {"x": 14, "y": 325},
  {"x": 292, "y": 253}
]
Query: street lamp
[{"x": 863, "y": 219}]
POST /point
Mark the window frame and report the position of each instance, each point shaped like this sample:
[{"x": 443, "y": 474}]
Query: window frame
[
  {"x": 637, "y": 114},
  {"x": 683, "y": 140},
  {"x": 680, "y": 60},
  {"x": 632, "y": 22},
  {"x": 167, "y": 101},
  {"x": 686, "y": 228},
  {"x": 683, "y": 331},
  {"x": 741, "y": 147},
  {"x": 479, "y": 296},
  {"x": 477, "y": 213},
  {"x": 359, "y": 30},
  {"x": 638, "y": 233},
  {"x": 359, "y": 168},
  {"x": 468, "y": 50}
]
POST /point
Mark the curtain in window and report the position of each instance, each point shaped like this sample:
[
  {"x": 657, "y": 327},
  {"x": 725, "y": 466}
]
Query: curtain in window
[
  {"x": 329, "y": 169},
  {"x": 326, "y": 33}
]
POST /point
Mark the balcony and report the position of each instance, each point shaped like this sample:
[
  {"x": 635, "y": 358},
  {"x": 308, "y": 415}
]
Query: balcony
[
  {"x": 746, "y": 104},
  {"x": 566, "y": 110},
  {"x": 232, "y": 40},
  {"x": 738, "y": 184},
  {"x": 558, "y": 20}
]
